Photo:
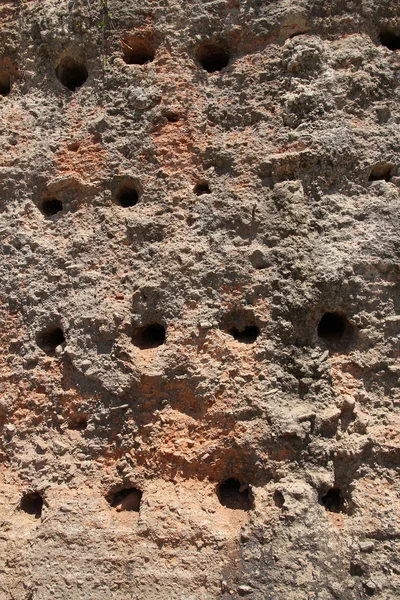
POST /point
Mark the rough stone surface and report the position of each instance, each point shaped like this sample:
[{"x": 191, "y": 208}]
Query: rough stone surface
[{"x": 264, "y": 195}]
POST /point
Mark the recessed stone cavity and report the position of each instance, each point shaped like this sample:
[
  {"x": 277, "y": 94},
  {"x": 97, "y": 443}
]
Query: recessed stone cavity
[
  {"x": 247, "y": 335},
  {"x": 49, "y": 339},
  {"x": 51, "y": 206},
  {"x": 73, "y": 146},
  {"x": 172, "y": 117},
  {"x": 390, "y": 39},
  {"x": 78, "y": 422},
  {"x": 5, "y": 83},
  {"x": 137, "y": 51},
  {"x": 149, "y": 336},
  {"x": 32, "y": 504},
  {"x": 127, "y": 195},
  {"x": 202, "y": 188},
  {"x": 71, "y": 73},
  {"x": 212, "y": 57},
  {"x": 381, "y": 171},
  {"x": 336, "y": 331},
  {"x": 333, "y": 500},
  {"x": 127, "y": 499},
  {"x": 279, "y": 499},
  {"x": 356, "y": 569},
  {"x": 233, "y": 495}
]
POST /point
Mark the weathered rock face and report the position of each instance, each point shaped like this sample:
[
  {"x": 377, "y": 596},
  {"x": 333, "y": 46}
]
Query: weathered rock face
[{"x": 199, "y": 218}]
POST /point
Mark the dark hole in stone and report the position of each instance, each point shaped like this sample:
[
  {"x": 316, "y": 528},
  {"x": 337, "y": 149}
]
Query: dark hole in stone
[
  {"x": 332, "y": 326},
  {"x": 51, "y": 206},
  {"x": 49, "y": 339},
  {"x": 32, "y": 504},
  {"x": 126, "y": 499},
  {"x": 71, "y": 73},
  {"x": 78, "y": 423},
  {"x": 127, "y": 196},
  {"x": 74, "y": 146},
  {"x": 381, "y": 171},
  {"x": 172, "y": 117},
  {"x": 149, "y": 336},
  {"x": 5, "y": 83},
  {"x": 213, "y": 57},
  {"x": 232, "y": 495},
  {"x": 202, "y": 188},
  {"x": 136, "y": 51},
  {"x": 248, "y": 335},
  {"x": 279, "y": 499},
  {"x": 389, "y": 39},
  {"x": 333, "y": 500},
  {"x": 356, "y": 569}
]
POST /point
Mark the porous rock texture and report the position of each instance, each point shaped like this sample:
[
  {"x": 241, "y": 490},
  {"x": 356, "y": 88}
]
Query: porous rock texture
[{"x": 224, "y": 172}]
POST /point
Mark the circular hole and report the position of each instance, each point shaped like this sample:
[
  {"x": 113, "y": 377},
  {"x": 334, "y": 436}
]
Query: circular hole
[
  {"x": 149, "y": 336},
  {"x": 78, "y": 423},
  {"x": 381, "y": 171},
  {"x": 71, "y": 73},
  {"x": 234, "y": 495},
  {"x": 247, "y": 335},
  {"x": 126, "y": 499},
  {"x": 172, "y": 117},
  {"x": 137, "y": 51},
  {"x": 51, "y": 206},
  {"x": 5, "y": 83},
  {"x": 356, "y": 569},
  {"x": 127, "y": 196},
  {"x": 333, "y": 326},
  {"x": 73, "y": 146},
  {"x": 32, "y": 504},
  {"x": 389, "y": 39},
  {"x": 333, "y": 500},
  {"x": 202, "y": 188},
  {"x": 213, "y": 57},
  {"x": 50, "y": 339},
  {"x": 279, "y": 499}
]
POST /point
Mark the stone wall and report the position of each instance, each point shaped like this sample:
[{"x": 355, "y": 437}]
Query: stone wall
[{"x": 199, "y": 216}]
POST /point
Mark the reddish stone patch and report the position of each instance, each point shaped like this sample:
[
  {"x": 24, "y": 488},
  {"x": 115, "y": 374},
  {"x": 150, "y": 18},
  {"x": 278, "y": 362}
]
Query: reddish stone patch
[{"x": 87, "y": 162}]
